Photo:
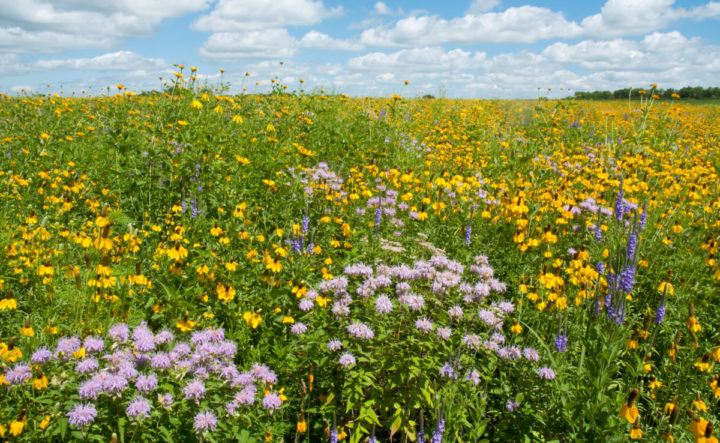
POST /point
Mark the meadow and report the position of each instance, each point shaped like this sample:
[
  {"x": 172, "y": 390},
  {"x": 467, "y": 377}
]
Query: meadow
[{"x": 190, "y": 265}]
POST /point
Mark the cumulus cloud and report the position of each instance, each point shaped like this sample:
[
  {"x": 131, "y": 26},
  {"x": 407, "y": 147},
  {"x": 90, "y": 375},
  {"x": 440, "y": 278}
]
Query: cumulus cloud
[
  {"x": 524, "y": 24},
  {"x": 32, "y": 26},
  {"x": 479, "y": 6},
  {"x": 417, "y": 60},
  {"x": 382, "y": 8},
  {"x": 318, "y": 40},
  {"x": 629, "y": 17},
  {"x": 656, "y": 52},
  {"x": 274, "y": 43},
  {"x": 114, "y": 61},
  {"x": 241, "y": 15}
]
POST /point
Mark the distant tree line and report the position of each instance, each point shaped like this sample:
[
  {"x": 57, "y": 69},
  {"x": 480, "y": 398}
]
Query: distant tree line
[{"x": 688, "y": 92}]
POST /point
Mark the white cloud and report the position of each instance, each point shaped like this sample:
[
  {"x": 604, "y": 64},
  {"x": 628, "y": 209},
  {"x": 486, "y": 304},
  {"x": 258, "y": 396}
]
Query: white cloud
[
  {"x": 382, "y": 8},
  {"x": 479, "y": 6},
  {"x": 524, "y": 24},
  {"x": 274, "y": 43},
  {"x": 114, "y": 61},
  {"x": 629, "y": 17},
  {"x": 636, "y": 17},
  {"x": 53, "y": 26},
  {"x": 427, "y": 59},
  {"x": 315, "y": 39},
  {"x": 656, "y": 52},
  {"x": 702, "y": 12},
  {"x": 242, "y": 15}
]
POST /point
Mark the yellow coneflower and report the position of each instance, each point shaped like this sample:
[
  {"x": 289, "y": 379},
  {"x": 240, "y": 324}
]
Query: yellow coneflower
[
  {"x": 185, "y": 324},
  {"x": 628, "y": 411}
]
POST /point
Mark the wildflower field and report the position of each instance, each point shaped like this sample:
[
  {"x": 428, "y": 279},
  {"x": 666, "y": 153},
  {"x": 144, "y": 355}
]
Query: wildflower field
[{"x": 192, "y": 265}]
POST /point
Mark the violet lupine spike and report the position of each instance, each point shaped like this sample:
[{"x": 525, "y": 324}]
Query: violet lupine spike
[
  {"x": 439, "y": 430},
  {"x": 660, "y": 314},
  {"x": 620, "y": 314},
  {"x": 643, "y": 216},
  {"x": 294, "y": 246},
  {"x": 305, "y": 225},
  {"x": 598, "y": 231},
  {"x": 193, "y": 207},
  {"x": 627, "y": 279},
  {"x": 310, "y": 248},
  {"x": 619, "y": 204},
  {"x": 561, "y": 342},
  {"x": 608, "y": 303},
  {"x": 468, "y": 233},
  {"x": 378, "y": 219},
  {"x": 632, "y": 244}
]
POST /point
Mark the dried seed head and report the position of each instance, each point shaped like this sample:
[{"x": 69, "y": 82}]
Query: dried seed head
[
  {"x": 674, "y": 415},
  {"x": 632, "y": 396}
]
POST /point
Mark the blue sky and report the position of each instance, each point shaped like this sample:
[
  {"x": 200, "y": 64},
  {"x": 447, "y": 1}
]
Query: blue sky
[{"x": 469, "y": 48}]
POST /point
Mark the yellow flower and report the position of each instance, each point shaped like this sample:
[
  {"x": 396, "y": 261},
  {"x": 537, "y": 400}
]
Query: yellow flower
[
  {"x": 666, "y": 286},
  {"x": 698, "y": 426},
  {"x": 45, "y": 422},
  {"x": 16, "y": 427},
  {"x": 185, "y": 324},
  {"x": 27, "y": 330},
  {"x": 628, "y": 411},
  {"x": 699, "y": 404},
  {"x": 253, "y": 319},
  {"x": 694, "y": 325},
  {"x": 273, "y": 265},
  {"x": 288, "y": 319},
  {"x": 703, "y": 363},
  {"x": 225, "y": 294},
  {"x": 8, "y": 303},
  {"x": 302, "y": 426},
  {"x": 80, "y": 353},
  {"x": 636, "y": 432},
  {"x": 516, "y": 328},
  {"x": 669, "y": 406},
  {"x": 40, "y": 383},
  {"x": 196, "y": 104}
]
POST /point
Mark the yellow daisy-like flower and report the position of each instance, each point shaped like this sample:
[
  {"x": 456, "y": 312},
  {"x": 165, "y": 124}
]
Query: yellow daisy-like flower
[
  {"x": 666, "y": 286},
  {"x": 185, "y": 324},
  {"x": 628, "y": 411},
  {"x": 253, "y": 319},
  {"x": 45, "y": 422}
]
